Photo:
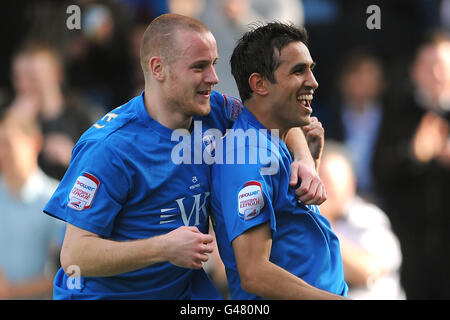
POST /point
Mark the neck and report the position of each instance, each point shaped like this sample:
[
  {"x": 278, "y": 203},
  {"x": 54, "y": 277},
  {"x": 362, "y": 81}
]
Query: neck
[
  {"x": 264, "y": 114},
  {"x": 160, "y": 109}
]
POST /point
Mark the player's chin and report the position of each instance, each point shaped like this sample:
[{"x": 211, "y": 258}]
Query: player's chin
[
  {"x": 303, "y": 120},
  {"x": 202, "y": 109},
  {"x": 306, "y": 120}
]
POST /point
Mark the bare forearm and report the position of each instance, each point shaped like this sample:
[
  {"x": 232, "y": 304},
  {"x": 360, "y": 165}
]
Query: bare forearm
[
  {"x": 97, "y": 257},
  {"x": 262, "y": 277},
  {"x": 94, "y": 256},
  {"x": 274, "y": 283},
  {"x": 296, "y": 142}
]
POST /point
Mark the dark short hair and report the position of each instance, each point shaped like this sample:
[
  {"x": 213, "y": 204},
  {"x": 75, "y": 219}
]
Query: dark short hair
[{"x": 258, "y": 51}]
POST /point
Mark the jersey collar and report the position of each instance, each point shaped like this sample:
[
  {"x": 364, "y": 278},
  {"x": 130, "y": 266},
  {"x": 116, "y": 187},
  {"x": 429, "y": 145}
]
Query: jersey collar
[{"x": 149, "y": 121}]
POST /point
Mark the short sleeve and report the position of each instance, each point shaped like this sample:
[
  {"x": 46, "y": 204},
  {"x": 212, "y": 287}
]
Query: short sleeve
[
  {"x": 233, "y": 107},
  {"x": 93, "y": 190},
  {"x": 224, "y": 111},
  {"x": 244, "y": 196}
]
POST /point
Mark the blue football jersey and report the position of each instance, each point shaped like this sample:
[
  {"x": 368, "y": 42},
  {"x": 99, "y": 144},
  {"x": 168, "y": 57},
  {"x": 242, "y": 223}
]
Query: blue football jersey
[
  {"x": 245, "y": 193},
  {"x": 123, "y": 184}
]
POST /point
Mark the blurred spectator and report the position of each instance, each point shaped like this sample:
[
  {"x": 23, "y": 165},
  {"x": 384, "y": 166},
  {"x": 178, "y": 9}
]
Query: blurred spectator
[
  {"x": 37, "y": 76},
  {"x": 98, "y": 62},
  {"x": 229, "y": 19},
  {"x": 191, "y": 8},
  {"x": 29, "y": 240},
  {"x": 370, "y": 250},
  {"x": 135, "y": 76},
  {"x": 335, "y": 27},
  {"x": 355, "y": 118},
  {"x": 445, "y": 14},
  {"x": 412, "y": 168}
]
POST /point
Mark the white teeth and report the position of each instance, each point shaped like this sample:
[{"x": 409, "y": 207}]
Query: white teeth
[{"x": 305, "y": 97}]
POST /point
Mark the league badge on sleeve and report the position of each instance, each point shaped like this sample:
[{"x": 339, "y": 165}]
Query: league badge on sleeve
[
  {"x": 250, "y": 200},
  {"x": 83, "y": 192}
]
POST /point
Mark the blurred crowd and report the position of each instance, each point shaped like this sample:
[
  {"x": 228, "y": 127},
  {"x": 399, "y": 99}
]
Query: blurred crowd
[{"x": 383, "y": 99}]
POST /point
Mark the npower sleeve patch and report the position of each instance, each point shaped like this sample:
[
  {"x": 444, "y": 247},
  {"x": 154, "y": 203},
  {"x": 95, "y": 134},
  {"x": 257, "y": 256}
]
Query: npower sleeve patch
[
  {"x": 83, "y": 192},
  {"x": 250, "y": 200}
]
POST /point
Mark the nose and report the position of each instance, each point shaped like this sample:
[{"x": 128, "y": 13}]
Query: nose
[
  {"x": 311, "y": 81},
  {"x": 211, "y": 77}
]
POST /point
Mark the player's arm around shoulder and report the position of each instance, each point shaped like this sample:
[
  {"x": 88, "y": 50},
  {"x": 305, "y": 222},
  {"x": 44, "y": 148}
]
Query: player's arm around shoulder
[
  {"x": 262, "y": 277},
  {"x": 306, "y": 146}
]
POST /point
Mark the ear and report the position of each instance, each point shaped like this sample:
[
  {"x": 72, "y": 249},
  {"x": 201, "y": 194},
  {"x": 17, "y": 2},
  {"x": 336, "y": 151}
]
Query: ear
[
  {"x": 156, "y": 68},
  {"x": 258, "y": 84}
]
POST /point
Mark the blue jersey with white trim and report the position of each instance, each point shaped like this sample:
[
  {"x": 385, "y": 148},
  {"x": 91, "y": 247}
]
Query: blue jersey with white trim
[
  {"x": 246, "y": 194},
  {"x": 123, "y": 184}
]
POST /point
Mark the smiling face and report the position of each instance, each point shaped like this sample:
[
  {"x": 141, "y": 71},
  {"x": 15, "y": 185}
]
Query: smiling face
[
  {"x": 291, "y": 94},
  {"x": 190, "y": 74}
]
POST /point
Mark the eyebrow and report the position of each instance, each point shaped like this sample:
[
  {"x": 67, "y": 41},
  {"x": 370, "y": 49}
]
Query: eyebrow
[
  {"x": 202, "y": 62},
  {"x": 302, "y": 66}
]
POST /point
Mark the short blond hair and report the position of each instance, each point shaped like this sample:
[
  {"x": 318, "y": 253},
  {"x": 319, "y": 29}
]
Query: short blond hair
[{"x": 160, "y": 36}]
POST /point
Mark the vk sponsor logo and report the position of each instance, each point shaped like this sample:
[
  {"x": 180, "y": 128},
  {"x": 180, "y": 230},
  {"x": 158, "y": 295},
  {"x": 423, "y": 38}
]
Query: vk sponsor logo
[{"x": 192, "y": 210}]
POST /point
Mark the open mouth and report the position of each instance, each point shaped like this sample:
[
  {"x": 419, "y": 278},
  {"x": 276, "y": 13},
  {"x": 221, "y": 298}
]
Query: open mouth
[
  {"x": 204, "y": 93},
  {"x": 305, "y": 101}
]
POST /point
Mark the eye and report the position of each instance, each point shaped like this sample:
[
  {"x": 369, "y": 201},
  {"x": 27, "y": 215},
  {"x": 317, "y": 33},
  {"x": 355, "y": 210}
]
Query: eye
[
  {"x": 299, "y": 71},
  {"x": 198, "y": 67}
]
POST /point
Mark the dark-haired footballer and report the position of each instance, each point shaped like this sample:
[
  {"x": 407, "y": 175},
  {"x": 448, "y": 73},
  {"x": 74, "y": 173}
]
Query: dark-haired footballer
[{"x": 273, "y": 246}]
